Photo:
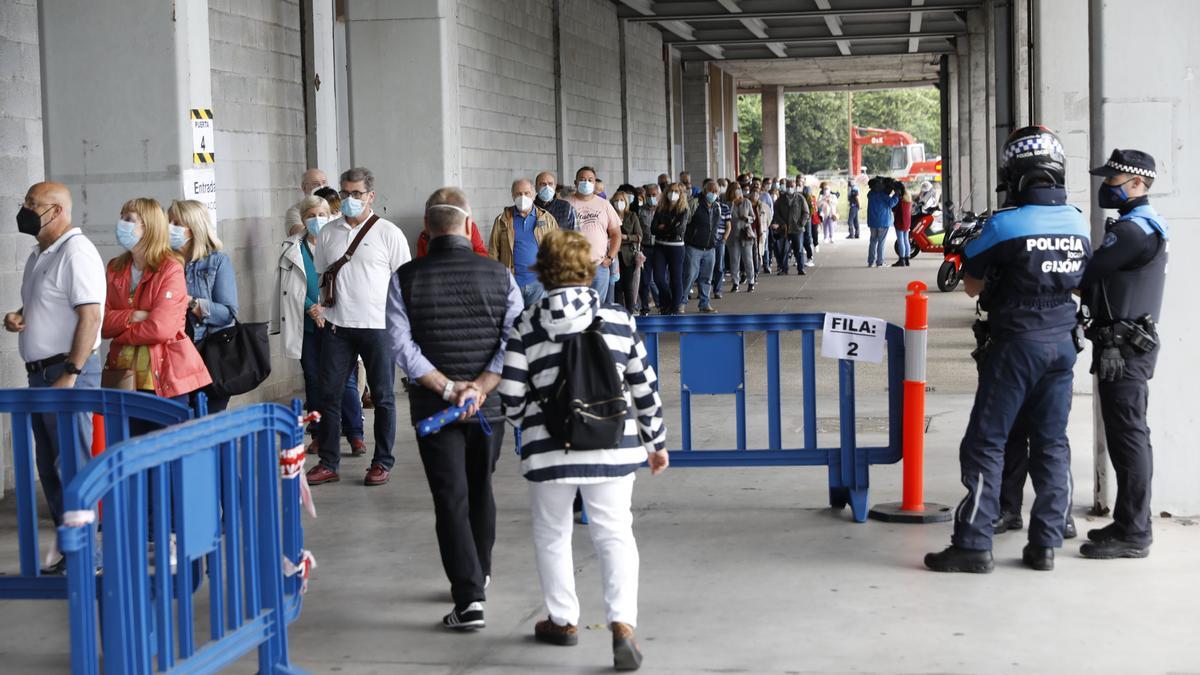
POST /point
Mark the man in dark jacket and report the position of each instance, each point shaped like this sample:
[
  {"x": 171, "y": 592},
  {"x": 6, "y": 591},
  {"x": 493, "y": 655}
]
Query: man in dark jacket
[
  {"x": 449, "y": 314},
  {"x": 700, "y": 239},
  {"x": 792, "y": 216}
]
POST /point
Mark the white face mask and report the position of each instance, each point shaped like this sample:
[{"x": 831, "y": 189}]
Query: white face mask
[
  {"x": 585, "y": 187},
  {"x": 523, "y": 203},
  {"x": 673, "y": 197},
  {"x": 619, "y": 205}
]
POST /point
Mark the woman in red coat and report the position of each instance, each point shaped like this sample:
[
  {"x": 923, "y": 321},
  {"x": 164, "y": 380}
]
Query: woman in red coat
[
  {"x": 145, "y": 310},
  {"x": 902, "y": 220}
]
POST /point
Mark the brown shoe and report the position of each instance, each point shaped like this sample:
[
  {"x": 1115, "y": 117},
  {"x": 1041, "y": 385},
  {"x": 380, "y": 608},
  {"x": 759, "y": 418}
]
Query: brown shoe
[
  {"x": 376, "y": 475},
  {"x": 314, "y": 447},
  {"x": 322, "y": 474},
  {"x": 709, "y": 310},
  {"x": 553, "y": 634},
  {"x": 626, "y": 654},
  {"x": 358, "y": 447}
]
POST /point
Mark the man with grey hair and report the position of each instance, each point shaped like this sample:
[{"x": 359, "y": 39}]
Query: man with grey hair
[
  {"x": 549, "y": 200},
  {"x": 310, "y": 182},
  {"x": 448, "y": 315},
  {"x": 358, "y": 254},
  {"x": 516, "y": 235}
]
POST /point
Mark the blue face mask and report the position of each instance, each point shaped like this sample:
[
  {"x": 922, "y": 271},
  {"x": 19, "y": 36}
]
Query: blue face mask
[
  {"x": 585, "y": 187},
  {"x": 179, "y": 236},
  {"x": 314, "y": 224},
  {"x": 125, "y": 236},
  {"x": 652, "y": 201},
  {"x": 546, "y": 193},
  {"x": 352, "y": 208},
  {"x": 710, "y": 197},
  {"x": 1112, "y": 196}
]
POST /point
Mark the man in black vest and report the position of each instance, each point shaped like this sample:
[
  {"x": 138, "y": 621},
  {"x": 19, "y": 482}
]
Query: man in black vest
[
  {"x": 449, "y": 314},
  {"x": 1123, "y": 288}
]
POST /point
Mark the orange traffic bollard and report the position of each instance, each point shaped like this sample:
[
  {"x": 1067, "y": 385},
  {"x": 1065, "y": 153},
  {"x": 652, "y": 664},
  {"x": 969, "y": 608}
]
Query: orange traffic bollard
[
  {"x": 912, "y": 507},
  {"x": 98, "y": 442}
]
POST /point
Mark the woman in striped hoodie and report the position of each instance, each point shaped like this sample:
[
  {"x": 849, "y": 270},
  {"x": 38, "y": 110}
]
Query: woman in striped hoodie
[{"x": 604, "y": 477}]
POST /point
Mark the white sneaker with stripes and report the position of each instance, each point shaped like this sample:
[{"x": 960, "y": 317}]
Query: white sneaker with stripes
[{"x": 467, "y": 618}]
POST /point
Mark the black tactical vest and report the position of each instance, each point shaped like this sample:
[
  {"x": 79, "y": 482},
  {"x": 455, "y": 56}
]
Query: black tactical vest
[{"x": 1137, "y": 290}]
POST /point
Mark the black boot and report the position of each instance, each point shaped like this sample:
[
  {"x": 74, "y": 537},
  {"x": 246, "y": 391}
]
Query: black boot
[
  {"x": 906, "y": 263},
  {"x": 955, "y": 559},
  {"x": 898, "y": 263},
  {"x": 1007, "y": 522},
  {"x": 1113, "y": 548},
  {"x": 1040, "y": 558},
  {"x": 1106, "y": 533},
  {"x": 1069, "y": 531}
]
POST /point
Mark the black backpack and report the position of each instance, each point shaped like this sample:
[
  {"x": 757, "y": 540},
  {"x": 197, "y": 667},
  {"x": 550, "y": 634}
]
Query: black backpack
[{"x": 585, "y": 408}]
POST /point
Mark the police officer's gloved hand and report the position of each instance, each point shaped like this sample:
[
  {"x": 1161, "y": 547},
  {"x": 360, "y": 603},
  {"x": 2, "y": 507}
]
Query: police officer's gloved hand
[{"x": 1112, "y": 364}]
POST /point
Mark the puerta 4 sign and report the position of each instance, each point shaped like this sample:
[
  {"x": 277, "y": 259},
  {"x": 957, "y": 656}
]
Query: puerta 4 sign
[{"x": 855, "y": 338}]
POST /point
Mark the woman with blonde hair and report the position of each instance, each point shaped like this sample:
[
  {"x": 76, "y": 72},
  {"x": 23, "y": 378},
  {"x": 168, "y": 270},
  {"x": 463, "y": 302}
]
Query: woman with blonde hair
[
  {"x": 144, "y": 312},
  {"x": 296, "y": 317},
  {"x": 209, "y": 273},
  {"x": 669, "y": 224},
  {"x": 554, "y": 472}
]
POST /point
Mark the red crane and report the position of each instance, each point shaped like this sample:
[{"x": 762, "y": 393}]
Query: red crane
[{"x": 908, "y": 163}]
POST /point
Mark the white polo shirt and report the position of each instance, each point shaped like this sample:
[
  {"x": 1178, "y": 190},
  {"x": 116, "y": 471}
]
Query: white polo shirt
[
  {"x": 68, "y": 274},
  {"x": 362, "y": 283}
]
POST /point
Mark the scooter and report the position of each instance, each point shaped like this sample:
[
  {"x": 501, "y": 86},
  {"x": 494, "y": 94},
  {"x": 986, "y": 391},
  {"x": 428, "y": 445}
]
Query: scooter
[
  {"x": 950, "y": 273},
  {"x": 926, "y": 234}
]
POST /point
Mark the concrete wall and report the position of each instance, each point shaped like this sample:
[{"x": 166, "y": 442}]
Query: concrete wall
[
  {"x": 697, "y": 148},
  {"x": 21, "y": 165},
  {"x": 258, "y": 104},
  {"x": 506, "y": 98},
  {"x": 592, "y": 89},
  {"x": 647, "y": 103},
  {"x": 1155, "y": 110}
]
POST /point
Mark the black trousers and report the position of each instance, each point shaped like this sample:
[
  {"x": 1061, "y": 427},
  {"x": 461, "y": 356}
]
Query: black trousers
[
  {"x": 1123, "y": 406},
  {"x": 459, "y": 461},
  {"x": 808, "y": 240},
  {"x": 1016, "y": 466}
]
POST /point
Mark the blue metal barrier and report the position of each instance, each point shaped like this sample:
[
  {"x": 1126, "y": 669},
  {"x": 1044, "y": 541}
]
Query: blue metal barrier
[
  {"x": 712, "y": 361},
  {"x": 215, "y": 484},
  {"x": 118, "y": 408}
]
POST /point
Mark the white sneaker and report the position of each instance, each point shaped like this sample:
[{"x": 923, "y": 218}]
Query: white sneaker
[
  {"x": 468, "y": 618},
  {"x": 810, "y": 264}
]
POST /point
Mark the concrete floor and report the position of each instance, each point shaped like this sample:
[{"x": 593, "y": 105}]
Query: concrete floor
[{"x": 743, "y": 570}]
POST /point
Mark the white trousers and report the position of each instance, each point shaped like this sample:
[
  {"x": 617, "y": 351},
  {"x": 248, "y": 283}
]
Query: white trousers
[{"x": 611, "y": 526}]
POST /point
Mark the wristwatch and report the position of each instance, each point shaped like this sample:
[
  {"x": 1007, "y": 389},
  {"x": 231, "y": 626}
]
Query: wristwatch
[{"x": 71, "y": 368}]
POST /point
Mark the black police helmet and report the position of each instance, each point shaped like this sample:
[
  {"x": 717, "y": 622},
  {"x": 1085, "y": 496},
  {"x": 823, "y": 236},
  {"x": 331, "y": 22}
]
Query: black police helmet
[{"x": 1031, "y": 156}]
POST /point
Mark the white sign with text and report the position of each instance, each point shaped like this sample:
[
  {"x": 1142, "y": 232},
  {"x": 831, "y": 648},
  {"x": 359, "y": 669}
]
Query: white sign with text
[
  {"x": 201, "y": 185},
  {"x": 856, "y": 338}
]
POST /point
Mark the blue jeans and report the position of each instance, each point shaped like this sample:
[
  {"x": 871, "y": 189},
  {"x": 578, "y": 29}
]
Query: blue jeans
[
  {"x": 719, "y": 266},
  {"x": 600, "y": 282},
  {"x": 905, "y": 244},
  {"x": 310, "y": 364},
  {"x": 648, "y": 288},
  {"x": 852, "y": 221},
  {"x": 532, "y": 292},
  {"x": 699, "y": 264},
  {"x": 668, "y": 272},
  {"x": 875, "y": 248},
  {"x": 338, "y": 352},
  {"x": 1018, "y": 375},
  {"x": 45, "y": 433}
]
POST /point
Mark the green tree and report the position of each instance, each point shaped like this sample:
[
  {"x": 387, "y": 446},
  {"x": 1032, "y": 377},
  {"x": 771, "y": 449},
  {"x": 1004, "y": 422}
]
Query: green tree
[
  {"x": 817, "y": 133},
  {"x": 749, "y": 108}
]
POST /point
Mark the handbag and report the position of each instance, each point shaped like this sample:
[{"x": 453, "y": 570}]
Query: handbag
[
  {"x": 238, "y": 358},
  {"x": 329, "y": 277},
  {"x": 117, "y": 378}
]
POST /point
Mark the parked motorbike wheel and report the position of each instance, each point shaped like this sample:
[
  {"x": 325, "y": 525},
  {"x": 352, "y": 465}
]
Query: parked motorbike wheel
[{"x": 948, "y": 277}]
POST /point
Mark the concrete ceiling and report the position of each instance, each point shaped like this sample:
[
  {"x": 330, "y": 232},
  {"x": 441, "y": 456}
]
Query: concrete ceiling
[
  {"x": 730, "y": 30},
  {"x": 846, "y": 72}
]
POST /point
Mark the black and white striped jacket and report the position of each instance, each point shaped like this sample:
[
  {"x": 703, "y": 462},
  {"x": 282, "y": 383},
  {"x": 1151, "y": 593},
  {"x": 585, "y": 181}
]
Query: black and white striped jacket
[{"x": 532, "y": 360}]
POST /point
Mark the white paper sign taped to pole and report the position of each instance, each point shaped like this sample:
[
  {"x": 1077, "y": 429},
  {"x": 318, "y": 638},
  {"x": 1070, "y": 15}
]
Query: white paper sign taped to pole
[
  {"x": 201, "y": 185},
  {"x": 855, "y": 338}
]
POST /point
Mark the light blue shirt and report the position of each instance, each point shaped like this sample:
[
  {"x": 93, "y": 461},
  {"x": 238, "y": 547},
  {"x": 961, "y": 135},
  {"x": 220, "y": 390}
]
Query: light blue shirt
[{"x": 525, "y": 247}]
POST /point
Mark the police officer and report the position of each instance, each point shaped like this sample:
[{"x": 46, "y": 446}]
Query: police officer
[
  {"x": 1032, "y": 257},
  {"x": 1123, "y": 290}
]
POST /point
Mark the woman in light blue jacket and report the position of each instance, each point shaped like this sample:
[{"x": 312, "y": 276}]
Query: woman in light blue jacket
[{"x": 211, "y": 285}]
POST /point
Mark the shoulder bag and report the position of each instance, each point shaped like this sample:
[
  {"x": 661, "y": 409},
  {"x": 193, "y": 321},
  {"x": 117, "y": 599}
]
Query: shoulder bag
[{"x": 329, "y": 277}]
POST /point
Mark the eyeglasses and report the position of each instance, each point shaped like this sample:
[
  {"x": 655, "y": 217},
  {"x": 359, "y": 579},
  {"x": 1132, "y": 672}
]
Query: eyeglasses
[{"x": 357, "y": 194}]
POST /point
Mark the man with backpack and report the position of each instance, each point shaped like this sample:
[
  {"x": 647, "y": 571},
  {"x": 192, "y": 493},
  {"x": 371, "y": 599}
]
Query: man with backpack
[{"x": 449, "y": 314}]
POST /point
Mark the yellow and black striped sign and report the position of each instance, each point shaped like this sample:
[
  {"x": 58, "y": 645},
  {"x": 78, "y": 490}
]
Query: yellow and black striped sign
[
  {"x": 202, "y": 113},
  {"x": 203, "y": 151},
  {"x": 204, "y": 157}
]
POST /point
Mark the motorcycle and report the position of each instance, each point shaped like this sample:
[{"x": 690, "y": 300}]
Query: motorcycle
[
  {"x": 926, "y": 234},
  {"x": 956, "y": 240}
]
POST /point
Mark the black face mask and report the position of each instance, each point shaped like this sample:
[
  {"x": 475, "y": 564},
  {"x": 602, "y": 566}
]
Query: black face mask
[{"x": 30, "y": 221}]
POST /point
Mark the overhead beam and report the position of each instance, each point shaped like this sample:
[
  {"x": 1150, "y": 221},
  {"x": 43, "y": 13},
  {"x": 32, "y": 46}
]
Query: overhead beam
[
  {"x": 914, "y": 26},
  {"x": 865, "y": 86},
  {"x": 834, "y": 23},
  {"x": 688, "y": 37},
  {"x": 815, "y": 40},
  {"x": 756, "y": 26},
  {"x": 688, "y": 56},
  {"x": 807, "y": 13}
]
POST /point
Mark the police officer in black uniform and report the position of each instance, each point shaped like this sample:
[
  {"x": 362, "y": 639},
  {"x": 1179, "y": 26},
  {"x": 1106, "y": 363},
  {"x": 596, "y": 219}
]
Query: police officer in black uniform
[
  {"x": 1032, "y": 257},
  {"x": 1123, "y": 290}
]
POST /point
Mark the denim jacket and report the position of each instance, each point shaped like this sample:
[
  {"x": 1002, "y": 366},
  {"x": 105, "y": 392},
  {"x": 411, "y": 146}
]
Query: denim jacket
[{"x": 210, "y": 281}]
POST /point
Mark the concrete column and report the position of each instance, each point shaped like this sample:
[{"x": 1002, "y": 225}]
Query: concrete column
[
  {"x": 962, "y": 176},
  {"x": 1060, "y": 85},
  {"x": 1155, "y": 109},
  {"x": 404, "y": 114},
  {"x": 729, "y": 113},
  {"x": 774, "y": 139},
  {"x": 716, "y": 116},
  {"x": 950, "y": 151},
  {"x": 320, "y": 92},
  {"x": 102, "y": 146},
  {"x": 1022, "y": 88},
  {"x": 697, "y": 150},
  {"x": 626, "y": 112},
  {"x": 979, "y": 101}
]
